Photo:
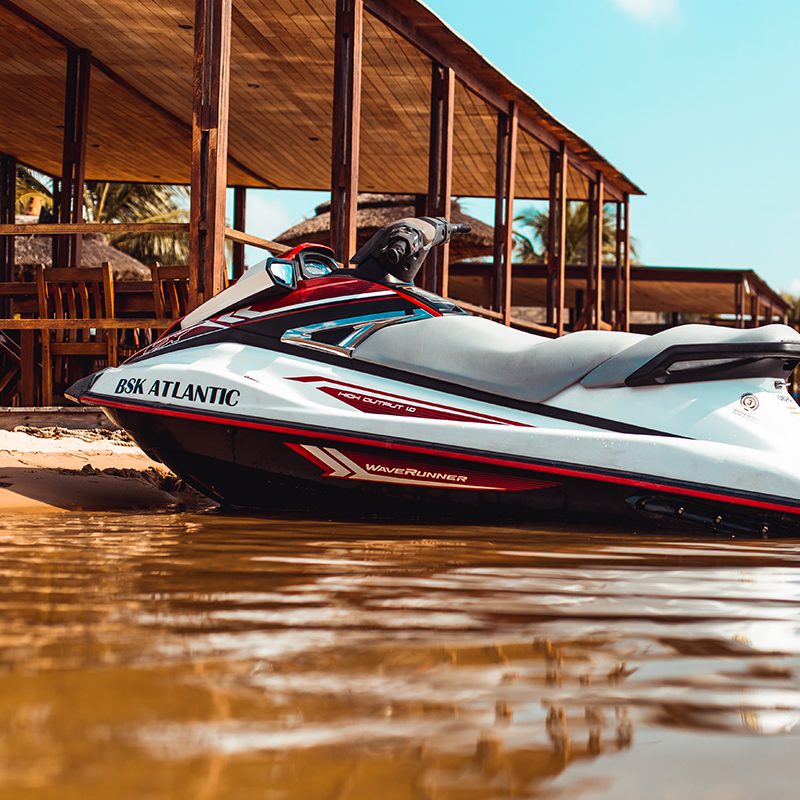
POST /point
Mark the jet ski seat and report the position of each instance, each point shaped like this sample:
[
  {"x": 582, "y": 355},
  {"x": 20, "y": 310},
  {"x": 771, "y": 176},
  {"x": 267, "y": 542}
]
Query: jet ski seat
[{"x": 475, "y": 352}]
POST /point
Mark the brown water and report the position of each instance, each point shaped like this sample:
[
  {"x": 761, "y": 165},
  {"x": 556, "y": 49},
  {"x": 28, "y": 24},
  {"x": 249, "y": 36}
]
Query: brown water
[{"x": 162, "y": 656}]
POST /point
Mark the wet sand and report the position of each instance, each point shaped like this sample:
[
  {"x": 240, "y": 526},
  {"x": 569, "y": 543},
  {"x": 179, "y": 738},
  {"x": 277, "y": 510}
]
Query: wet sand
[{"x": 55, "y": 469}]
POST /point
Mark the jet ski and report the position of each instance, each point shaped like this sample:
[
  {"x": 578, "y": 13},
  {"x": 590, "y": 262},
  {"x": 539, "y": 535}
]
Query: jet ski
[{"x": 305, "y": 382}]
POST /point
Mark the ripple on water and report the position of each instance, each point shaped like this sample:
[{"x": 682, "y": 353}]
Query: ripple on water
[{"x": 211, "y": 656}]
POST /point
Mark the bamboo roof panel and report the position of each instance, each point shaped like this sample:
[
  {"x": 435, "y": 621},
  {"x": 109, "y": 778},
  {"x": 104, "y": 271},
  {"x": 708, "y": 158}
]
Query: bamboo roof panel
[
  {"x": 280, "y": 96},
  {"x": 394, "y": 112},
  {"x": 32, "y": 68}
]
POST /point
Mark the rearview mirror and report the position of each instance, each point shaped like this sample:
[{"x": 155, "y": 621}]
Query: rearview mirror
[{"x": 282, "y": 273}]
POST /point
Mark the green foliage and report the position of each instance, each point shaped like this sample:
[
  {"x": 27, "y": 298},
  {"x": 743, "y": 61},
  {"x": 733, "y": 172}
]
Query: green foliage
[
  {"x": 141, "y": 202},
  {"x": 124, "y": 202},
  {"x": 531, "y": 235}
]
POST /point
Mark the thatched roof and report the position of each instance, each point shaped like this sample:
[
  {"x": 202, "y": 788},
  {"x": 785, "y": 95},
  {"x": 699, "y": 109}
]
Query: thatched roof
[
  {"x": 30, "y": 251},
  {"x": 377, "y": 210}
]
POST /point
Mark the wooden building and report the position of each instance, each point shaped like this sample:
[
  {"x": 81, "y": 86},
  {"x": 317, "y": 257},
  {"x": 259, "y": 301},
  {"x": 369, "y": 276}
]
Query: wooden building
[
  {"x": 339, "y": 95},
  {"x": 660, "y": 296}
]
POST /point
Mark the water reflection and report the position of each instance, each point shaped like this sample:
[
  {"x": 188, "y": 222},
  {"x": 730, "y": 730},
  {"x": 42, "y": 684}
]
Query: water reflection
[{"x": 205, "y": 656}]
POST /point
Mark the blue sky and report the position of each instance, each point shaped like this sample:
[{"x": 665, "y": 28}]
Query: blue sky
[{"x": 695, "y": 100}]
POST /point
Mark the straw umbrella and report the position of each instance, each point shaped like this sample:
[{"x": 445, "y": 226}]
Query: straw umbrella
[
  {"x": 30, "y": 251},
  {"x": 377, "y": 210}
]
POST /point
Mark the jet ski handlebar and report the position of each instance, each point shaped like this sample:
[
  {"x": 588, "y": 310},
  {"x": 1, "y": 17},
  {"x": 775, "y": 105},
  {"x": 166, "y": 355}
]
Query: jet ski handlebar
[{"x": 396, "y": 252}]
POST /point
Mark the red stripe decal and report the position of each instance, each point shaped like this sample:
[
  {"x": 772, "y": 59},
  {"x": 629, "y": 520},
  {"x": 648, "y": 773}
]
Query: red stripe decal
[
  {"x": 409, "y": 448},
  {"x": 417, "y": 302},
  {"x": 374, "y": 401},
  {"x": 362, "y": 465}
]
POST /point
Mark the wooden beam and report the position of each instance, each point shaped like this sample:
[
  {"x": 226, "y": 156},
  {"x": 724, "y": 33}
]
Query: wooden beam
[
  {"x": 105, "y": 323},
  {"x": 212, "y": 51},
  {"x": 239, "y": 222},
  {"x": 346, "y": 126},
  {"x": 67, "y": 250},
  {"x": 240, "y": 237},
  {"x": 114, "y": 228},
  {"x": 505, "y": 179},
  {"x": 435, "y": 276}
]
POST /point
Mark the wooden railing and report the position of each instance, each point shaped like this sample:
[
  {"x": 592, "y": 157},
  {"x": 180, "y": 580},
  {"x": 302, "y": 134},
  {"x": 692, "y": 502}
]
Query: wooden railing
[
  {"x": 496, "y": 316},
  {"x": 67, "y": 228}
]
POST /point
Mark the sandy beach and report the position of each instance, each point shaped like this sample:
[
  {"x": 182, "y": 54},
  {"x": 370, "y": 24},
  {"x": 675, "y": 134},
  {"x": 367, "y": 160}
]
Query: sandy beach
[{"x": 57, "y": 470}]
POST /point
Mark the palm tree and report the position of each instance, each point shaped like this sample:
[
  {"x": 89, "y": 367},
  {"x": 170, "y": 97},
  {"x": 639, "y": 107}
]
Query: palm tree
[
  {"x": 532, "y": 234},
  {"x": 141, "y": 202},
  {"x": 124, "y": 202}
]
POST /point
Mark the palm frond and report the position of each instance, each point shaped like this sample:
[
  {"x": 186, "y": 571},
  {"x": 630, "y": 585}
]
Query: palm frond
[{"x": 532, "y": 232}]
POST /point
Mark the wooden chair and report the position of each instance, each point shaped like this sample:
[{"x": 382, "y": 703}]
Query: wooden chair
[
  {"x": 76, "y": 293},
  {"x": 170, "y": 291}
]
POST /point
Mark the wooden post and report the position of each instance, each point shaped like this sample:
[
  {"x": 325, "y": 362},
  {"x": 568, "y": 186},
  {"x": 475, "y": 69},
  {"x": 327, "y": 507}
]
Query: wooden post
[
  {"x": 239, "y": 221},
  {"x": 617, "y": 310},
  {"x": 739, "y": 300},
  {"x": 67, "y": 250},
  {"x": 505, "y": 178},
  {"x": 346, "y": 126},
  {"x": 8, "y": 202},
  {"x": 557, "y": 238},
  {"x": 754, "y": 309},
  {"x": 597, "y": 300},
  {"x": 436, "y": 272},
  {"x": 212, "y": 51},
  {"x": 591, "y": 251},
  {"x": 626, "y": 265},
  {"x": 551, "y": 256}
]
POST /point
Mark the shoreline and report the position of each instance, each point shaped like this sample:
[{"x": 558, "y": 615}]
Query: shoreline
[{"x": 56, "y": 469}]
